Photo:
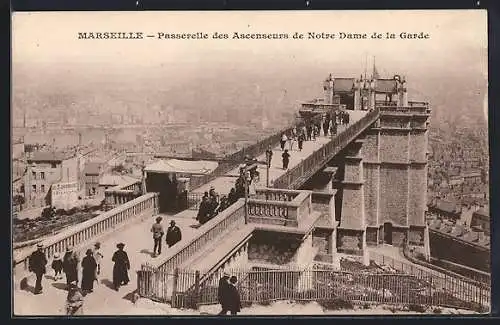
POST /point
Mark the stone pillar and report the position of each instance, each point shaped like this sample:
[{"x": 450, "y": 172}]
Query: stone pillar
[
  {"x": 351, "y": 232},
  {"x": 357, "y": 96},
  {"x": 427, "y": 246},
  {"x": 372, "y": 95},
  {"x": 405, "y": 96}
]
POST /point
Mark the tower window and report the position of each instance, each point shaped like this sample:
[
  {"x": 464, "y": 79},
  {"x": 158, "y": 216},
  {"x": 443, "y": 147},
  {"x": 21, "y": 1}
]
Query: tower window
[
  {"x": 42, "y": 175},
  {"x": 34, "y": 188},
  {"x": 42, "y": 188}
]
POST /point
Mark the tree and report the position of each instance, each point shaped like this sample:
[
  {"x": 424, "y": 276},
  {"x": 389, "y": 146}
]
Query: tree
[
  {"x": 18, "y": 199},
  {"x": 48, "y": 213}
]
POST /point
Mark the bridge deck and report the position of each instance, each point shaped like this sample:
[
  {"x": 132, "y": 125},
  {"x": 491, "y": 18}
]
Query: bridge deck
[
  {"x": 224, "y": 184},
  {"x": 139, "y": 245}
]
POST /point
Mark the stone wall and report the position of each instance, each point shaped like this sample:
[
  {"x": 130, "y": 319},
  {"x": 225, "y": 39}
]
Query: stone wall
[
  {"x": 272, "y": 248},
  {"x": 457, "y": 251},
  {"x": 418, "y": 146},
  {"x": 417, "y": 195},
  {"x": 393, "y": 194},
  {"x": 394, "y": 146},
  {"x": 371, "y": 191}
]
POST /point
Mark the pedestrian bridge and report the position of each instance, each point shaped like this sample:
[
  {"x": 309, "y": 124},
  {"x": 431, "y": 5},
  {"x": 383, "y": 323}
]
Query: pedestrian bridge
[{"x": 130, "y": 223}]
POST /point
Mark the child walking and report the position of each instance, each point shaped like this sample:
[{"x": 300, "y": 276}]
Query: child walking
[{"x": 57, "y": 266}]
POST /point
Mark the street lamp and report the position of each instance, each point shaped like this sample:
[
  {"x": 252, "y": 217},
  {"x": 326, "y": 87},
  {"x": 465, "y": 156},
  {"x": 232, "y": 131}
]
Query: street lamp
[{"x": 269, "y": 155}]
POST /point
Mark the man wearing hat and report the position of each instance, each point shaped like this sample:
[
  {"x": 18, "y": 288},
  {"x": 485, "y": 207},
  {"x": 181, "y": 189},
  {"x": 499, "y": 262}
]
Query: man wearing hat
[
  {"x": 70, "y": 265},
  {"x": 157, "y": 230},
  {"x": 222, "y": 293},
  {"x": 173, "y": 234},
  {"x": 37, "y": 263}
]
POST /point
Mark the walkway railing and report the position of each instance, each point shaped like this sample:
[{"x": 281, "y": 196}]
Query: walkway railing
[
  {"x": 85, "y": 231},
  {"x": 227, "y": 220},
  {"x": 231, "y": 161},
  {"x": 298, "y": 175},
  {"x": 322, "y": 285},
  {"x": 448, "y": 290}
]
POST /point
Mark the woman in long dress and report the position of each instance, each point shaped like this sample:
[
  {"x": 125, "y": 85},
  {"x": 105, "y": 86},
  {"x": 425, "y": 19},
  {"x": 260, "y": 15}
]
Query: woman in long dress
[
  {"x": 70, "y": 265},
  {"x": 121, "y": 267},
  {"x": 89, "y": 266}
]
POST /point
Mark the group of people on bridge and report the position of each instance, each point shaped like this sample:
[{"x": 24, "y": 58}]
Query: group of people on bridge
[
  {"x": 90, "y": 271},
  {"x": 211, "y": 205}
]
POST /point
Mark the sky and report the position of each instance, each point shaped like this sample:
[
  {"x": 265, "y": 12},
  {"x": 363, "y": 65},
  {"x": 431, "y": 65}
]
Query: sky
[
  {"x": 52, "y": 36},
  {"x": 458, "y": 41}
]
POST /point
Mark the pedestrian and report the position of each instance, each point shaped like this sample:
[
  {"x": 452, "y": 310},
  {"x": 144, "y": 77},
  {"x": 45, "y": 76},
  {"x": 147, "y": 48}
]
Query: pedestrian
[
  {"x": 325, "y": 126},
  {"x": 269, "y": 155},
  {"x": 70, "y": 265},
  {"x": 89, "y": 266},
  {"x": 283, "y": 141},
  {"x": 286, "y": 159},
  {"x": 37, "y": 264},
  {"x": 157, "y": 230},
  {"x": 57, "y": 266},
  {"x": 301, "y": 140},
  {"x": 74, "y": 300},
  {"x": 232, "y": 197},
  {"x": 98, "y": 256},
  {"x": 174, "y": 234},
  {"x": 203, "y": 210},
  {"x": 121, "y": 267},
  {"x": 222, "y": 293},
  {"x": 233, "y": 296},
  {"x": 291, "y": 141},
  {"x": 309, "y": 132}
]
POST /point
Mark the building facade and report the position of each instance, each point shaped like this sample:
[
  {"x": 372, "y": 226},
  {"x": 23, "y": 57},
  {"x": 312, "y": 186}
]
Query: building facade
[
  {"x": 45, "y": 169},
  {"x": 382, "y": 184}
]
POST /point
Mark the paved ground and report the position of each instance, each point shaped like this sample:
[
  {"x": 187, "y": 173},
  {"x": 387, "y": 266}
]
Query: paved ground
[{"x": 139, "y": 245}]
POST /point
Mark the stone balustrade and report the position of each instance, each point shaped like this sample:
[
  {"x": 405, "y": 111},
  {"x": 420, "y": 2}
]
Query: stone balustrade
[
  {"x": 216, "y": 227},
  {"x": 275, "y": 194},
  {"x": 121, "y": 194},
  {"x": 281, "y": 212},
  {"x": 81, "y": 233}
]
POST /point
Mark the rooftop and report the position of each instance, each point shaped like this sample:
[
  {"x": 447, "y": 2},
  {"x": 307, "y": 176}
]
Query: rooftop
[
  {"x": 92, "y": 168},
  {"x": 115, "y": 180},
  {"x": 47, "y": 156},
  {"x": 182, "y": 166}
]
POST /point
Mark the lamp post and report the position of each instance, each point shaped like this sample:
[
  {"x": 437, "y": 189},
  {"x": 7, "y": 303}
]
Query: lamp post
[
  {"x": 245, "y": 174},
  {"x": 269, "y": 155}
]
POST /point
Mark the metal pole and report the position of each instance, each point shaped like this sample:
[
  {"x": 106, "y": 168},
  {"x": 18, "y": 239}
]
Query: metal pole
[
  {"x": 246, "y": 195},
  {"x": 267, "y": 175}
]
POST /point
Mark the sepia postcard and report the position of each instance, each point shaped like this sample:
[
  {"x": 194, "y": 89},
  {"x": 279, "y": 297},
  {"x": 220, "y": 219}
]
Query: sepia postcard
[{"x": 246, "y": 163}]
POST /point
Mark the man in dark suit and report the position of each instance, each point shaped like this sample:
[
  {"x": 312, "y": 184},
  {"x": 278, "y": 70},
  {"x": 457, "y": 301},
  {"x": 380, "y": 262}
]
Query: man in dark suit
[
  {"x": 37, "y": 263},
  {"x": 222, "y": 293}
]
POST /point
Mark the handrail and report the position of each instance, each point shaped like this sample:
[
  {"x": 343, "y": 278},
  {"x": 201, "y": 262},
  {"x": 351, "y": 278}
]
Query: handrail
[
  {"x": 311, "y": 164},
  {"x": 86, "y": 230}
]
